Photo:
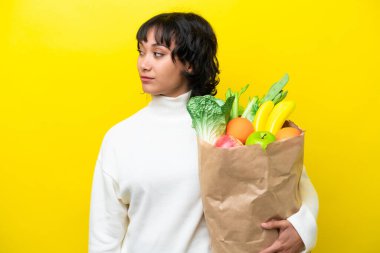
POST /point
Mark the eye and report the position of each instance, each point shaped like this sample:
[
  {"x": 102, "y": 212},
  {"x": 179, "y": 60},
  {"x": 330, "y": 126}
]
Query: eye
[
  {"x": 140, "y": 52},
  {"x": 158, "y": 54}
]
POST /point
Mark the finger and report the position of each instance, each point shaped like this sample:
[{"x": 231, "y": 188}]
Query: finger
[
  {"x": 273, "y": 224},
  {"x": 275, "y": 247}
]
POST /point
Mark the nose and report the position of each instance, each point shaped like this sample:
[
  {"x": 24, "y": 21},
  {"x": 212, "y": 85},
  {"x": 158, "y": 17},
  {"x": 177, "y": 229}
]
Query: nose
[{"x": 144, "y": 63}]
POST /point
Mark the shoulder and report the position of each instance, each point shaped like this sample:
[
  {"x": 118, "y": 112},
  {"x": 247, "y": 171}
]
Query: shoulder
[
  {"x": 126, "y": 127},
  {"x": 116, "y": 137}
]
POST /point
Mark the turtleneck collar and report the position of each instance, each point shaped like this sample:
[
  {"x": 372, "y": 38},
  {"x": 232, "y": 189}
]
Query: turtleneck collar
[{"x": 169, "y": 106}]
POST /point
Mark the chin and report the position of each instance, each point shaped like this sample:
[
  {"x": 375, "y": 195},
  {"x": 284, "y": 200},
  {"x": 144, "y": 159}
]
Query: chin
[{"x": 147, "y": 90}]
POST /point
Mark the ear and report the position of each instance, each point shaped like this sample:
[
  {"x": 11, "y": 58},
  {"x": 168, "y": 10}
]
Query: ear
[{"x": 188, "y": 68}]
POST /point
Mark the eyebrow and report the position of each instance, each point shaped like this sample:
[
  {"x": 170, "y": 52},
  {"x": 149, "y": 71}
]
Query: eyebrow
[{"x": 155, "y": 45}]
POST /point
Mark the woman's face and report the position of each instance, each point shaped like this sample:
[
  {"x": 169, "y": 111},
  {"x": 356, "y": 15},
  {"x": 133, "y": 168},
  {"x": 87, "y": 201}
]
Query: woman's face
[{"x": 159, "y": 74}]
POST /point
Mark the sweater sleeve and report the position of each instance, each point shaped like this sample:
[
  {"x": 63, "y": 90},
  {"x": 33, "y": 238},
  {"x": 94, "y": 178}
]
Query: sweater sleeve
[
  {"x": 304, "y": 221},
  {"x": 108, "y": 214}
]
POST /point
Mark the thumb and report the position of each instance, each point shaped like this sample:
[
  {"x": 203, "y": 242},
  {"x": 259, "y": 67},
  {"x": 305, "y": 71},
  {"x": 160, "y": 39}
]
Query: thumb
[{"x": 273, "y": 224}]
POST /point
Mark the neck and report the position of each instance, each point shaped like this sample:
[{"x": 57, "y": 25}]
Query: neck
[{"x": 169, "y": 106}]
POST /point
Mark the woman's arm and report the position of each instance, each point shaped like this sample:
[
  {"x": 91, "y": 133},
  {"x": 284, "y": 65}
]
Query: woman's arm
[
  {"x": 305, "y": 220},
  {"x": 299, "y": 231},
  {"x": 108, "y": 215}
]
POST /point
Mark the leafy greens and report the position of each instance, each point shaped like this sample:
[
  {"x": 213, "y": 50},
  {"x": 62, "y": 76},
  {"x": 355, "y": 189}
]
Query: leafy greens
[{"x": 209, "y": 116}]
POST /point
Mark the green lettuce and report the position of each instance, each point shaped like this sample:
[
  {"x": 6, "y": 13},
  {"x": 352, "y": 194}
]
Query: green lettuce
[{"x": 209, "y": 116}]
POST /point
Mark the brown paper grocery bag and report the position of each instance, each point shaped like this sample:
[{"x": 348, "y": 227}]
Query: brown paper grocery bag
[{"x": 244, "y": 186}]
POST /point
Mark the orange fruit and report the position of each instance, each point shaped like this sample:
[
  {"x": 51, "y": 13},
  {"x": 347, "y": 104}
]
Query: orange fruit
[
  {"x": 287, "y": 132},
  {"x": 239, "y": 128}
]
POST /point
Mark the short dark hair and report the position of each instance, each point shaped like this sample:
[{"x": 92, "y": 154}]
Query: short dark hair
[{"x": 195, "y": 44}]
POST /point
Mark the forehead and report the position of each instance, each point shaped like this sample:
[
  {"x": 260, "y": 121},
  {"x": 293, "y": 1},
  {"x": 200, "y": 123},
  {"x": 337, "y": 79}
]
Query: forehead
[
  {"x": 150, "y": 39},
  {"x": 155, "y": 37}
]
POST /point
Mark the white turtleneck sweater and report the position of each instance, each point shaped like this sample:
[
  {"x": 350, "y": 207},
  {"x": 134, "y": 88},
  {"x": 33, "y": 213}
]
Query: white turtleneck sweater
[{"x": 145, "y": 193}]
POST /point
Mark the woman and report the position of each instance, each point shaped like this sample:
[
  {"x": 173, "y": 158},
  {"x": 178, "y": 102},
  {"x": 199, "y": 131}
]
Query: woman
[{"x": 145, "y": 195}]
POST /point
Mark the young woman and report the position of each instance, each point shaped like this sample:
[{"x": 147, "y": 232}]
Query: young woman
[{"x": 145, "y": 193}]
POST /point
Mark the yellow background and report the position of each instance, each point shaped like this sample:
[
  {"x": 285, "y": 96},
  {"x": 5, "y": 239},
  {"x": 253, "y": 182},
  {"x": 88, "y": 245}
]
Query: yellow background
[{"x": 68, "y": 73}]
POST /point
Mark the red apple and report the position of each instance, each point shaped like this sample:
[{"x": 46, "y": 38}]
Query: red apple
[{"x": 227, "y": 141}]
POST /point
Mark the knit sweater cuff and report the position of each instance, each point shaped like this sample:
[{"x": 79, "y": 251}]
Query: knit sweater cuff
[{"x": 304, "y": 223}]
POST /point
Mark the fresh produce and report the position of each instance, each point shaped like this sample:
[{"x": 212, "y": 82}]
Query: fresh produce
[
  {"x": 278, "y": 116},
  {"x": 261, "y": 137},
  {"x": 274, "y": 94},
  {"x": 240, "y": 128},
  {"x": 209, "y": 116},
  {"x": 250, "y": 110},
  {"x": 227, "y": 141},
  {"x": 235, "y": 107},
  {"x": 228, "y": 124},
  {"x": 262, "y": 115},
  {"x": 287, "y": 132}
]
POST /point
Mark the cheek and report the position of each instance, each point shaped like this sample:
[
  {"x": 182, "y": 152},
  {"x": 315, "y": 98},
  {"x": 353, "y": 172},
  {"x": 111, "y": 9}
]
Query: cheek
[
  {"x": 167, "y": 69},
  {"x": 138, "y": 63}
]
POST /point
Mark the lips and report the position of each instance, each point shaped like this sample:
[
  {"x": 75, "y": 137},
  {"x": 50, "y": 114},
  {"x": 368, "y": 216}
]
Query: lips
[{"x": 146, "y": 78}]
